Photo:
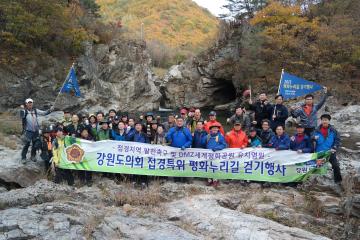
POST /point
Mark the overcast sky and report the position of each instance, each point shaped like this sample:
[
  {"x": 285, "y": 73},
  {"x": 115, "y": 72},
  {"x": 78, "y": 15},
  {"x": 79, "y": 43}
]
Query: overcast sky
[{"x": 214, "y": 6}]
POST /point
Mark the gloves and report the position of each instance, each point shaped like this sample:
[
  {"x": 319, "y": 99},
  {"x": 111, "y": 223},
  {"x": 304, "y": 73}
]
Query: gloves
[{"x": 183, "y": 148}]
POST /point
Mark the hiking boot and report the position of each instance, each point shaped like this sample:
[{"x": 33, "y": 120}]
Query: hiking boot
[
  {"x": 33, "y": 158},
  {"x": 23, "y": 160}
]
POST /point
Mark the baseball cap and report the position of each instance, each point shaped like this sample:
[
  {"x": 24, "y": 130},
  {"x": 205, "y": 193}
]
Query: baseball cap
[
  {"x": 212, "y": 113},
  {"x": 237, "y": 122},
  {"x": 28, "y": 100}
]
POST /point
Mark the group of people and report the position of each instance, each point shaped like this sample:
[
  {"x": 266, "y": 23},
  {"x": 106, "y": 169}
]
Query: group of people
[{"x": 258, "y": 124}]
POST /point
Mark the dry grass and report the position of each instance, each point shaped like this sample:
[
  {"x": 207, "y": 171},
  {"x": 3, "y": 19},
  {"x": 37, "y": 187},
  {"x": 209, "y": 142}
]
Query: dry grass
[
  {"x": 160, "y": 72},
  {"x": 91, "y": 225},
  {"x": 150, "y": 196},
  {"x": 10, "y": 124},
  {"x": 8, "y": 141}
]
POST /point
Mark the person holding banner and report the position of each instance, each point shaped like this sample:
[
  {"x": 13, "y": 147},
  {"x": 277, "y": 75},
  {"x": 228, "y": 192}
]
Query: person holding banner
[
  {"x": 237, "y": 138},
  {"x": 216, "y": 142},
  {"x": 327, "y": 139},
  {"x": 301, "y": 142},
  {"x": 279, "y": 113},
  {"x": 198, "y": 135},
  {"x": 179, "y": 136},
  {"x": 280, "y": 141},
  {"x": 265, "y": 133},
  {"x": 60, "y": 174},
  {"x": 307, "y": 112}
]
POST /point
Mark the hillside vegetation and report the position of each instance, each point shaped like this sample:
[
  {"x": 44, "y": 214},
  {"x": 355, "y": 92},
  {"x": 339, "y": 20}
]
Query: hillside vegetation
[
  {"x": 316, "y": 39},
  {"x": 173, "y": 29}
]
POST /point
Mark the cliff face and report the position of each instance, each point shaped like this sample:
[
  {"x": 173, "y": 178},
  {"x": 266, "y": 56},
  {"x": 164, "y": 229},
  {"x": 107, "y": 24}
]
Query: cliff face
[
  {"x": 115, "y": 75},
  {"x": 209, "y": 79}
]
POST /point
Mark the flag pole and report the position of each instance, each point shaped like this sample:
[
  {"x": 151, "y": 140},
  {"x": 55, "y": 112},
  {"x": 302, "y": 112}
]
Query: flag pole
[
  {"x": 282, "y": 72},
  {"x": 67, "y": 76}
]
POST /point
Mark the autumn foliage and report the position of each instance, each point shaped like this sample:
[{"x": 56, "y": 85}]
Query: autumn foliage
[{"x": 178, "y": 28}]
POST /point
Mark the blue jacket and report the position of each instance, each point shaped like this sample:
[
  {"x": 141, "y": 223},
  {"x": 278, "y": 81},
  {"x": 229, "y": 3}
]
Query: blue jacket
[
  {"x": 198, "y": 139},
  {"x": 130, "y": 134},
  {"x": 140, "y": 137},
  {"x": 255, "y": 142},
  {"x": 116, "y": 136},
  {"x": 281, "y": 113},
  {"x": 311, "y": 120},
  {"x": 305, "y": 145},
  {"x": 179, "y": 137},
  {"x": 214, "y": 142},
  {"x": 331, "y": 142},
  {"x": 280, "y": 143}
]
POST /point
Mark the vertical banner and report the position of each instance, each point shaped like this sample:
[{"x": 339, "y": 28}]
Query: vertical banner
[{"x": 260, "y": 164}]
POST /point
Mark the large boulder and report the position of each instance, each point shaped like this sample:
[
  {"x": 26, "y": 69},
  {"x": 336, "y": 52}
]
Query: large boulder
[
  {"x": 117, "y": 75},
  {"x": 114, "y": 76}
]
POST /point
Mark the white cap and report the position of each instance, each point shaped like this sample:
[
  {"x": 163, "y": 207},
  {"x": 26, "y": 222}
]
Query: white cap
[{"x": 28, "y": 100}]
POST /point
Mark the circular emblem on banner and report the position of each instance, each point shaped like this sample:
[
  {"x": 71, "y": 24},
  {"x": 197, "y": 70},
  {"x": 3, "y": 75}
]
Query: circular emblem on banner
[{"x": 75, "y": 153}]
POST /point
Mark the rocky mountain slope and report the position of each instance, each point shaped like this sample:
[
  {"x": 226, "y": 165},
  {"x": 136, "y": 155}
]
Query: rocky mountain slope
[{"x": 114, "y": 75}]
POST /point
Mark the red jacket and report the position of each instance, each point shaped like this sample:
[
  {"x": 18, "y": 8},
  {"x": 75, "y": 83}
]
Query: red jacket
[
  {"x": 210, "y": 123},
  {"x": 236, "y": 139}
]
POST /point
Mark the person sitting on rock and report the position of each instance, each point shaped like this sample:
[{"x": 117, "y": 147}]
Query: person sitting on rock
[
  {"x": 216, "y": 142},
  {"x": 237, "y": 138},
  {"x": 327, "y": 139},
  {"x": 104, "y": 131},
  {"x": 241, "y": 117},
  {"x": 265, "y": 133},
  {"x": 60, "y": 174},
  {"x": 254, "y": 139},
  {"x": 301, "y": 142},
  {"x": 212, "y": 121},
  {"x": 198, "y": 135},
  {"x": 307, "y": 112},
  {"x": 31, "y": 127},
  {"x": 280, "y": 141}
]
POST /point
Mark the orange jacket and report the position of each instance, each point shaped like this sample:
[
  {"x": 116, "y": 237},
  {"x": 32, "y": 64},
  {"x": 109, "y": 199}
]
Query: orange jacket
[
  {"x": 236, "y": 139},
  {"x": 210, "y": 123}
]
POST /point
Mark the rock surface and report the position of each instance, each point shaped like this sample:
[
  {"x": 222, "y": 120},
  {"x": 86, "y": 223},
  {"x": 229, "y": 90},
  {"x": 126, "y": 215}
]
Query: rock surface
[
  {"x": 50, "y": 211},
  {"x": 113, "y": 75},
  {"x": 208, "y": 80}
]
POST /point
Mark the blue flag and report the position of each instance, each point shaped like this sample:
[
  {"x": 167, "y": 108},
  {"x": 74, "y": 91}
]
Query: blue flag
[
  {"x": 71, "y": 83},
  {"x": 292, "y": 86}
]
